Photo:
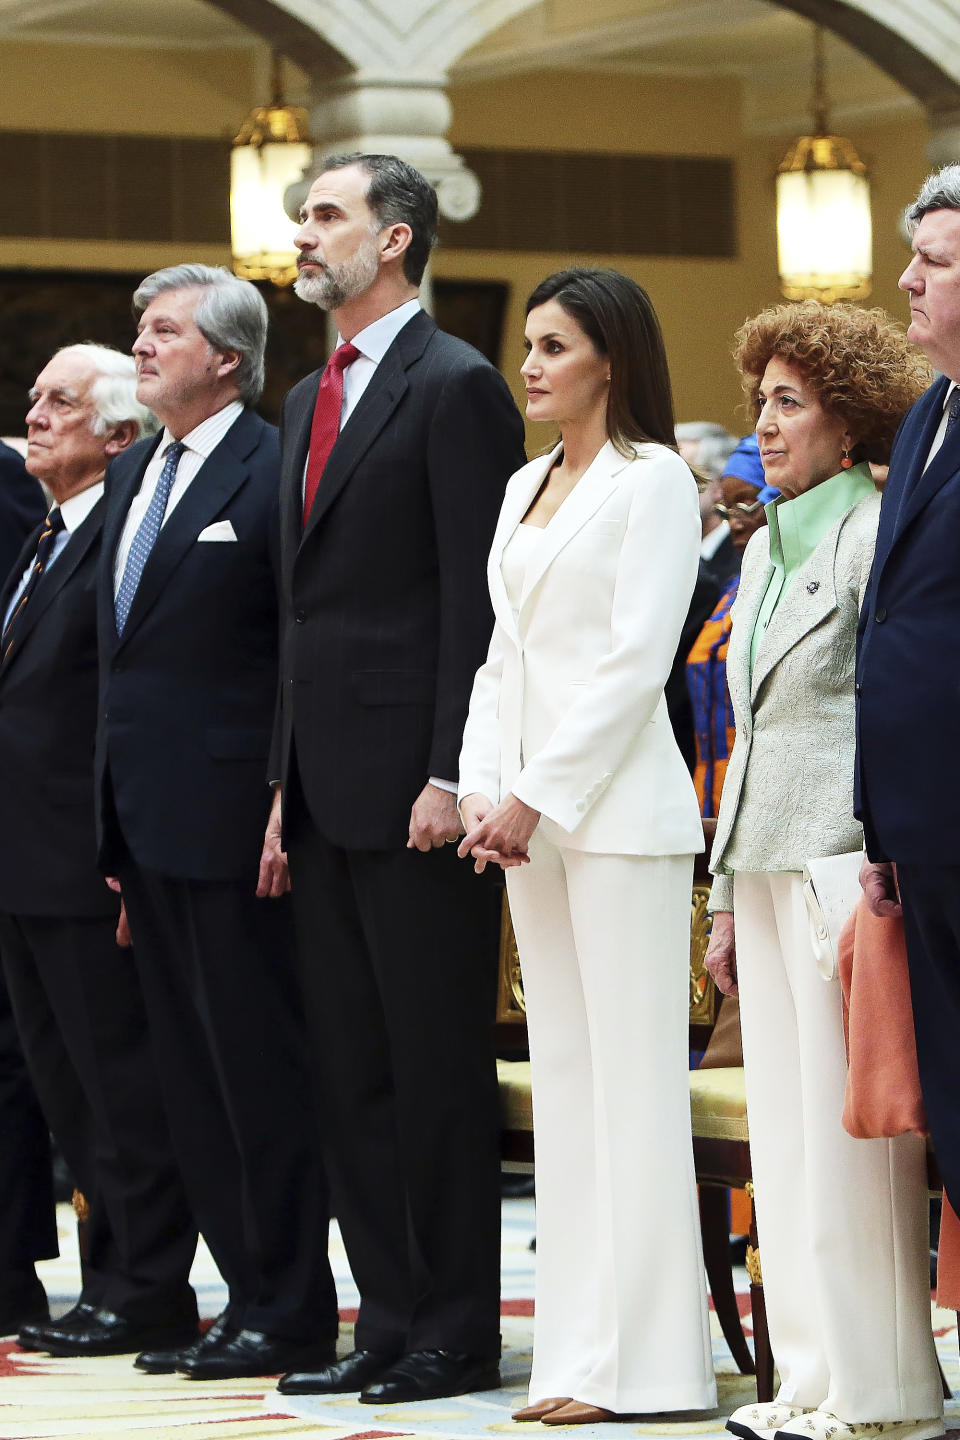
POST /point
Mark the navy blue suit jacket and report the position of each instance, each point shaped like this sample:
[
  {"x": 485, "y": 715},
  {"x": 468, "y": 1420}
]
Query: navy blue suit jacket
[
  {"x": 908, "y": 653},
  {"x": 188, "y": 693},
  {"x": 48, "y": 713},
  {"x": 386, "y": 614}
]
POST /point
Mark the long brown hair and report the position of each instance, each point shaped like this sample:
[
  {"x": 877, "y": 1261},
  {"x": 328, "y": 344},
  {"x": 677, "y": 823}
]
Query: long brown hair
[{"x": 618, "y": 316}]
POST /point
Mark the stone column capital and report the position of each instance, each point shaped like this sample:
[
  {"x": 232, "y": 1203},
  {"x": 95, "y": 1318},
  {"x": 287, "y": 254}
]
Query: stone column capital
[{"x": 408, "y": 117}]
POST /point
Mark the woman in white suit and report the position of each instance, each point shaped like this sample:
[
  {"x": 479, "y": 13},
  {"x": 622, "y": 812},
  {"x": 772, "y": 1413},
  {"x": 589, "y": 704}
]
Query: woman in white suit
[{"x": 570, "y": 779}]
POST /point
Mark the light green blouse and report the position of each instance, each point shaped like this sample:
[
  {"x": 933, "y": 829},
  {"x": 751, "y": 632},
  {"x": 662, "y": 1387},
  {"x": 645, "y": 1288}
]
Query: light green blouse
[{"x": 796, "y": 528}]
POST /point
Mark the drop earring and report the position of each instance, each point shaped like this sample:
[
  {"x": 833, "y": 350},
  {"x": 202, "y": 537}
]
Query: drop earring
[{"x": 846, "y": 462}]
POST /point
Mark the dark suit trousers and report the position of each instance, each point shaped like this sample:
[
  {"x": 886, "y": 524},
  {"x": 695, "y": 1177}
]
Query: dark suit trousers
[
  {"x": 398, "y": 962},
  {"x": 28, "y": 1227},
  {"x": 931, "y": 917},
  {"x": 80, "y": 1015},
  {"x": 216, "y": 970}
]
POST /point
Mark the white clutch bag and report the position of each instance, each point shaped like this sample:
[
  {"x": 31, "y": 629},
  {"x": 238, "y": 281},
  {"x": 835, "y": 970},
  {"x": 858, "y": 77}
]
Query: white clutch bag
[{"x": 831, "y": 888}]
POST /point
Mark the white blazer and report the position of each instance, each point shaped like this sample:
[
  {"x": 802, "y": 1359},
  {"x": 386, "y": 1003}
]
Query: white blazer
[{"x": 568, "y": 711}]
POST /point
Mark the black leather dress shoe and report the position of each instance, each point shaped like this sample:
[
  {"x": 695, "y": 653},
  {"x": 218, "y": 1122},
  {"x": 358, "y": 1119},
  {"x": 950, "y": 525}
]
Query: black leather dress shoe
[
  {"x": 359, "y": 1368},
  {"x": 251, "y": 1353},
  {"x": 104, "y": 1333},
  {"x": 168, "y": 1362},
  {"x": 31, "y": 1334},
  {"x": 22, "y": 1300},
  {"x": 431, "y": 1375}
]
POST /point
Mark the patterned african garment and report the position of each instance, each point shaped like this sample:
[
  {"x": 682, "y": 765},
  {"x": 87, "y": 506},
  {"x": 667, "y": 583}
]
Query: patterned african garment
[{"x": 712, "y": 712}]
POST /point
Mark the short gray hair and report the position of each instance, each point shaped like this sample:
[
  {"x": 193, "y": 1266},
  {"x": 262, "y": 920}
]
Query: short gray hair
[
  {"x": 114, "y": 391},
  {"x": 940, "y": 191},
  {"x": 231, "y": 315},
  {"x": 716, "y": 445}
]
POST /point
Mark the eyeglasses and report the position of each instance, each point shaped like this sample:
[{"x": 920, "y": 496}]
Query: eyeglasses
[{"x": 740, "y": 509}]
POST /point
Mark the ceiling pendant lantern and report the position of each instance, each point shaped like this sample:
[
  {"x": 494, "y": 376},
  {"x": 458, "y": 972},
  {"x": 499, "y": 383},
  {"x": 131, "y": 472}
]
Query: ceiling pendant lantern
[
  {"x": 271, "y": 151},
  {"x": 824, "y": 227}
]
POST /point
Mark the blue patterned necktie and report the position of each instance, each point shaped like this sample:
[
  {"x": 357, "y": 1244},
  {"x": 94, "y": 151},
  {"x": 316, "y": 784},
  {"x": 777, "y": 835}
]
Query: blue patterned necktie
[{"x": 146, "y": 536}]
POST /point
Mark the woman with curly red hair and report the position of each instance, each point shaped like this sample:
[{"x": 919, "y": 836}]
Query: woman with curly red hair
[{"x": 842, "y": 1222}]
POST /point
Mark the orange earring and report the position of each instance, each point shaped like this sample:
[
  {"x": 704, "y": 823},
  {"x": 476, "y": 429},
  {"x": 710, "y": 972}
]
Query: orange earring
[{"x": 846, "y": 462}]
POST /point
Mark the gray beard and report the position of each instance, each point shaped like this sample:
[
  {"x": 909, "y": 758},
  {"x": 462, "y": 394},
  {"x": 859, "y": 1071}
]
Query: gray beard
[{"x": 338, "y": 284}]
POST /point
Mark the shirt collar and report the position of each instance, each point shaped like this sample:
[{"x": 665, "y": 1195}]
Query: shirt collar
[
  {"x": 797, "y": 526},
  {"x": 75, "y": 510},
  {"x": 205, "y": 437},
  {"x": 375, "y": 340},
  {"x": 713, "y": 539}
]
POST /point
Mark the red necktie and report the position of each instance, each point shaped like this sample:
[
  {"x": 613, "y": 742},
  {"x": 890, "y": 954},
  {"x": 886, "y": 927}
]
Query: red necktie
[{"x": 326, "y": 420}]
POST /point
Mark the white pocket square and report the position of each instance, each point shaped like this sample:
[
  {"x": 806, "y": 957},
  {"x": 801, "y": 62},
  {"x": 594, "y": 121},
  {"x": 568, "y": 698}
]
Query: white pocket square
[{"x": 221, "y": 530}]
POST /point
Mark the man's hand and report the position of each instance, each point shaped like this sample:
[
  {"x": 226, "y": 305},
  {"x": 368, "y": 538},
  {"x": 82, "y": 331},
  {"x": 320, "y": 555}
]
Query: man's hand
[
  {"x": 501, "y": 836},
  {"x": 124, "y": 938},
  {"x": 274, "y": 877},
  {"x": 879, "y": 885},
  {"x": 434, "y": 819},
  {"x": 721, "y": 956}
]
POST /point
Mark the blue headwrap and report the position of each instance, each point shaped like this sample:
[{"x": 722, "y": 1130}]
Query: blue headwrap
[{"x": 745, "y": 463}]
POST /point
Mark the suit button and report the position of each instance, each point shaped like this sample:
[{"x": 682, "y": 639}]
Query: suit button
[
  {"x": 117, "y": 667},
  {"x": 300, "y": 616},
  {"x": 858, "y": 687},
  {"x": 881, "y": 615}
]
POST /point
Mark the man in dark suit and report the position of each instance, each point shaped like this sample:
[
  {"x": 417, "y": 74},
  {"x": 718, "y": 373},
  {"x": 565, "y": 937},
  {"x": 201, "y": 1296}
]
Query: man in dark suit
[
  {"x": 74, "y": 994},
  {"x": 28, "y": 1229},
  {"x": 188, "y": 673},
  {"x": 908, "y": 794},
  {"x": 394, "y": 466}
]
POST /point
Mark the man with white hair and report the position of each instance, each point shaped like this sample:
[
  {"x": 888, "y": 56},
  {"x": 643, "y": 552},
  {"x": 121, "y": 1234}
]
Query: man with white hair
[
  {"x": 74, "y": 993},
  {"x": 188, "y": 635}
]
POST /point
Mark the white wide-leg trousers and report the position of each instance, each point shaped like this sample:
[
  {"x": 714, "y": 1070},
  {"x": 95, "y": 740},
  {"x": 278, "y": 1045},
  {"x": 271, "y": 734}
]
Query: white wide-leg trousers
[
  {"x": 842, "y": 1223},
  {"x": 621, "y": 1309}
]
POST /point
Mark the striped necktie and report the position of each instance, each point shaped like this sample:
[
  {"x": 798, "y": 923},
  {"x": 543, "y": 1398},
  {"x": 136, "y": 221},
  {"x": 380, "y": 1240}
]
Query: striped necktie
[
  {"x": 146, "y": 536},
  {"x": 52, "y": 527}
]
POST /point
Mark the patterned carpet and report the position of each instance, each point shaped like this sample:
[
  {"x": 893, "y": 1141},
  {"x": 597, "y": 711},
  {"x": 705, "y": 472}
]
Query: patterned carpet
[{"x": 108, "y": 1400}]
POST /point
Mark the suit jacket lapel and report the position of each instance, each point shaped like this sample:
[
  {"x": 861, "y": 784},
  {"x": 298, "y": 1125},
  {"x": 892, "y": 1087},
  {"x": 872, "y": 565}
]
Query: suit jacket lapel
[
  {"x": 738, "y": 655},
  {"x": 296, "y": 444},
  {"x": 515, "y": 506},
  {"x": 595, "y": 484},
  {"x": 218, "y": 479},
  {"x": 811, "y": 597},
  {"x": 27, "y": 552},
  {"x": 922, "y": 485},
  {"x": 50, "y": 584}
]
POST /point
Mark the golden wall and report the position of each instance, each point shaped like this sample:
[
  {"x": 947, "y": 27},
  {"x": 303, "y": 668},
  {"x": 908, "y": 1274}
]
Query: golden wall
[
  {"x": 206, "y": 93},
  {"x": 700, "y": 302}
]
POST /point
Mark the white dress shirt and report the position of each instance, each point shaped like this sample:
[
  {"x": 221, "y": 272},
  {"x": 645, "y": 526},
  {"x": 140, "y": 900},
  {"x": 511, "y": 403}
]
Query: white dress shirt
[
  {"x": 73, "y": 511},
  {"x": 942, "y": 427},
  {"x": 373, "y": 343},
  {"x": 200, "y": 444}
]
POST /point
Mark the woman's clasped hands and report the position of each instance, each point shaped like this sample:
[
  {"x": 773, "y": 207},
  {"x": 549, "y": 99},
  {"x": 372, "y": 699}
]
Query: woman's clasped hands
[{"x": 496, "y": 834}]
